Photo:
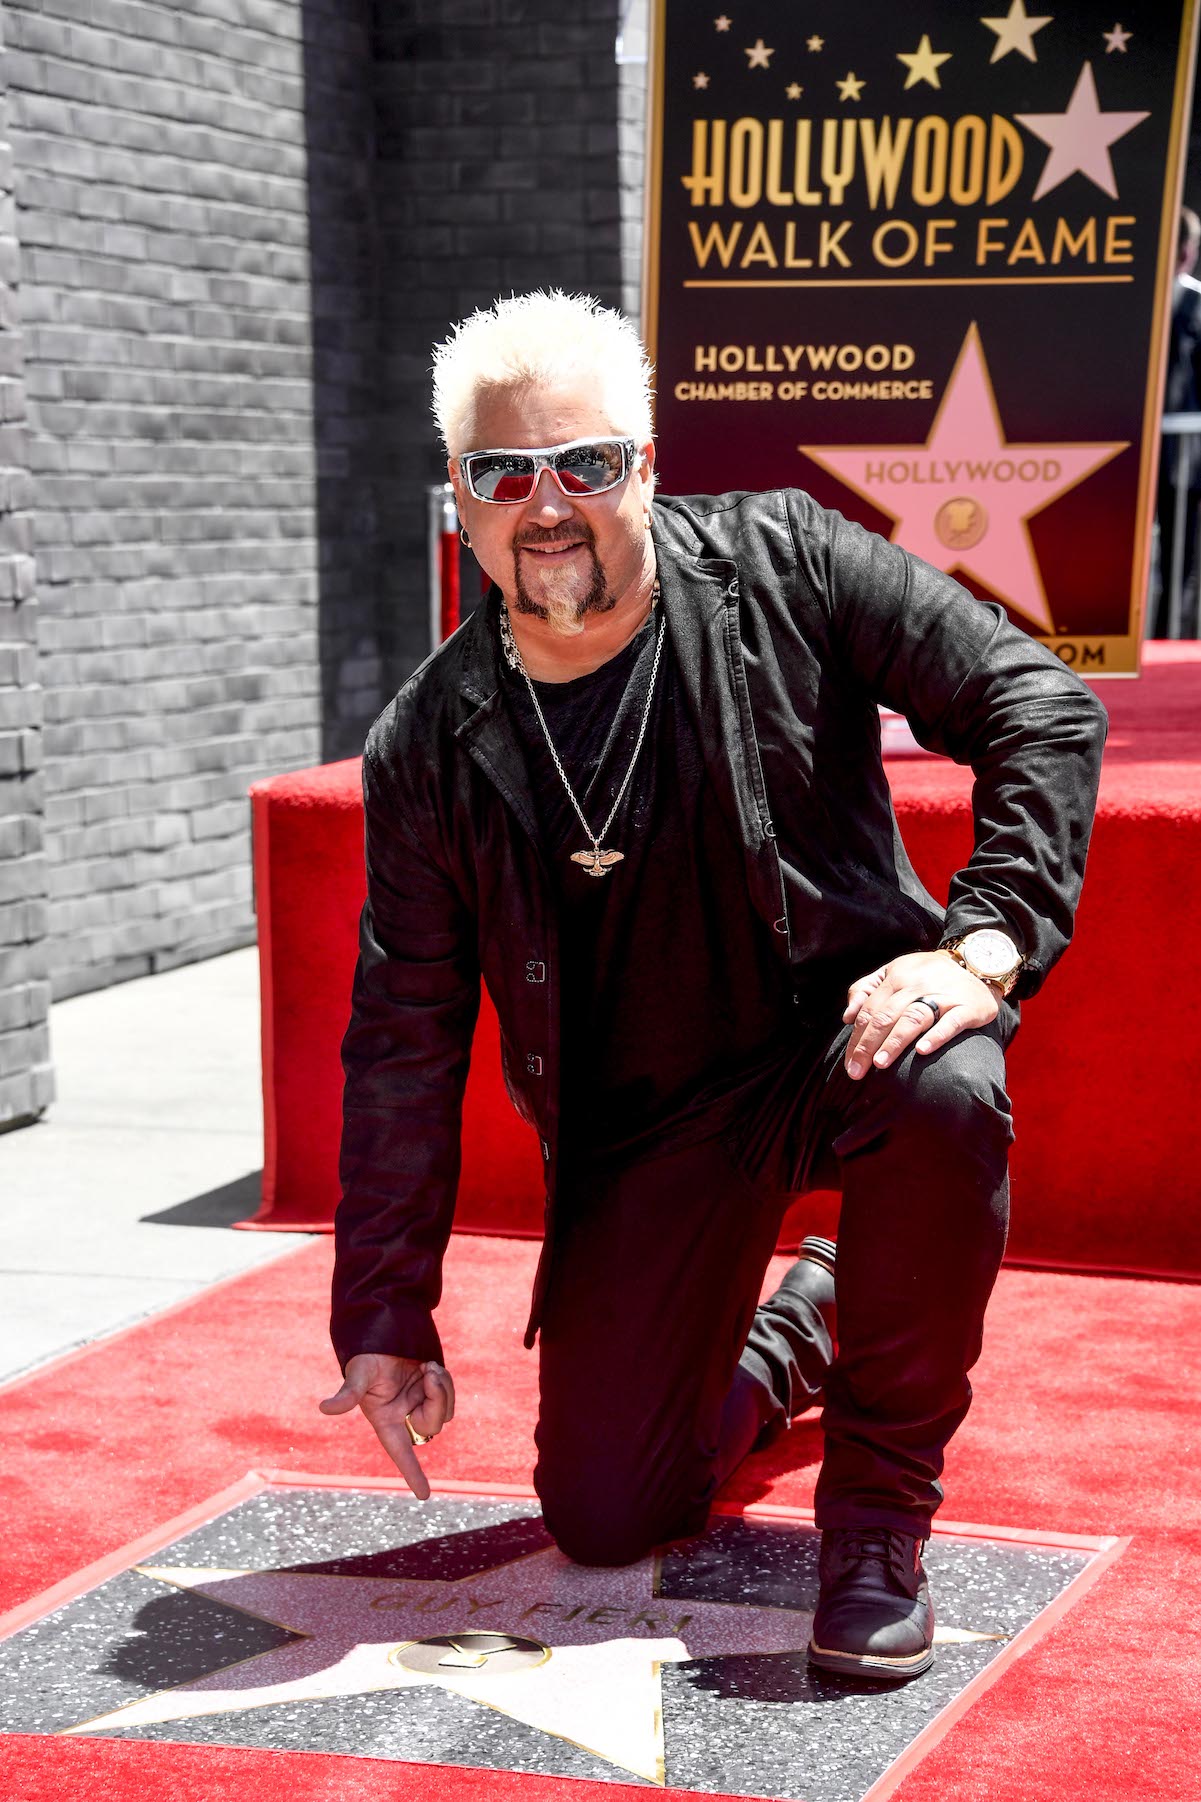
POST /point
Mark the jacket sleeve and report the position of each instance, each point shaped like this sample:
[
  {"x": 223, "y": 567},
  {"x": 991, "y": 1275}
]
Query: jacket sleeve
[
  {"x": 977, "y": 688},
  {"x": 405, "y": 1056}
]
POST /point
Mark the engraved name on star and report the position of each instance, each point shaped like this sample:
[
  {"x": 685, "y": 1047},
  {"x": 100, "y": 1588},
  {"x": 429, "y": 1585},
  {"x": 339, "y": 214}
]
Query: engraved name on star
[
  {"x": 923, "y": 63},
  {"x": 1117, "y": 39},
  {"x": 850, "y": 87},
  {"x": 964, "y": 499},
  {"x": 758, "y": 55},
  {"x": 1016, "y": 32},
  {"x": 570, "y": 1652},
  {"x": 1080, "y": 138}
]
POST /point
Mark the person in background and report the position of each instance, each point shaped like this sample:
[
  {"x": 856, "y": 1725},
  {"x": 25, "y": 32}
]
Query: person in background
[{"x": 1182, "y": 394}]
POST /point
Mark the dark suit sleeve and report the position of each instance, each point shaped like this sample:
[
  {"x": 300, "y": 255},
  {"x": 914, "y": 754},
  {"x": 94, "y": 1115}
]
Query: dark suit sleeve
[
  {"x": 980, "y": 690},
  {"x": 405, "y": 1056}
]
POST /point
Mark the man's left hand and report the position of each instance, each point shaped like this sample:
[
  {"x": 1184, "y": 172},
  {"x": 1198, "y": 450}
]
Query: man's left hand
[{"x": 889, "y": 1012}]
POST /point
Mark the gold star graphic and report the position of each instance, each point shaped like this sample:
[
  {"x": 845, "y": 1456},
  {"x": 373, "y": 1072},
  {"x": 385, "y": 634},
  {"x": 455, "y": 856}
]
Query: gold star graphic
[
  {"x": 1015, "y": 32},
  {"x": 700, "y": 81},
  {"x": 724, "y": 23},
  {"x": 1117, "y": 39},
  {"x": 794, "y": 90},
  {"x": 923, "y": 63},
  {"x": 570, "y": 1652},
  {"x": 759, "y": 54},
  {"x": 1080, "y": 138},
  {"x": 850, "y": 87},
  {"x": 816, "y": 44}
]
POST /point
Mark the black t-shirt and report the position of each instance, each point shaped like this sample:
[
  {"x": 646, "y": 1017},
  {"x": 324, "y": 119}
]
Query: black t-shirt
[{"x": 675, "y": 1006}]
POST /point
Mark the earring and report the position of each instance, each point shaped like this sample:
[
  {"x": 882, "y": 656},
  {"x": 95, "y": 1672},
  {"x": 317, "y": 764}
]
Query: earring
[{"x": 463, "y": 536}]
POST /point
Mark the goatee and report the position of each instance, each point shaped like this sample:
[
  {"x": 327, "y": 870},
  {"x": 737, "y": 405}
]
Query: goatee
[{"x": 561, "y": 608}]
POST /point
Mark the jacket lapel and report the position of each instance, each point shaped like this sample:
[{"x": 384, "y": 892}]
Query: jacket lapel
[
  {"x": 487, "y": 733},
  {"x": 700, "y": 598}
]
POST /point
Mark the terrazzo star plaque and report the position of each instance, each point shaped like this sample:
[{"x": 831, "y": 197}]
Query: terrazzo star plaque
[
  {"x": 864, "y": 217},
  {"x": 329, "y": 1619}
]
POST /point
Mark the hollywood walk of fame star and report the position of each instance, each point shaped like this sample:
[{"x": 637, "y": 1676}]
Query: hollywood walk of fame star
[
  {"x": 1016, "y": 32},
  {"x": 1080, "y": 138},
  {"x": 850, "y": 87},
  {"x": 759, "y": 55},
  {"x": 963, "y": 499},
  {"x": 794, "y": 90},
  {"x": 570, "y": 1652},
  {"x": 1117, "y": 39},
  {"x": 700, "y": 81},
  {"x": 724, "y": 23},
  {"x": 815, "y": 43},
  {"x": 923, "y": 63}
]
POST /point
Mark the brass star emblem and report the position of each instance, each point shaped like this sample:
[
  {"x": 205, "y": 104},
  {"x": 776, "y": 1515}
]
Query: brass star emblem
[
  {"x": 850, "y": 87},
  {"x": 1117, "y": 39},
  {"x": 794, "y": 90},
  {"x": 724, "y": 23},
  {"x": 700, "y": 81},
  {"x": 816, "y": 43},
  {"x": 758, "y": 54}
]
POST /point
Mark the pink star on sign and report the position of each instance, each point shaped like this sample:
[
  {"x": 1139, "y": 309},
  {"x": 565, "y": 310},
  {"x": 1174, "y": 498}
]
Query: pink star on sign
[
  {"x": 963, "y": 499},
  {"x": 1080, "y": 138}
]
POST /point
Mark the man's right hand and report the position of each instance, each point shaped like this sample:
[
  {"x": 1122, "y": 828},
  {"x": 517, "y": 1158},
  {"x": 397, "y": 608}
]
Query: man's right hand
[{"x": 389, "y": 1389}]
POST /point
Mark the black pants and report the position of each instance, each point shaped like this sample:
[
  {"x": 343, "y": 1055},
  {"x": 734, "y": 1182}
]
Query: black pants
[{"x": 650, "y": 1393}]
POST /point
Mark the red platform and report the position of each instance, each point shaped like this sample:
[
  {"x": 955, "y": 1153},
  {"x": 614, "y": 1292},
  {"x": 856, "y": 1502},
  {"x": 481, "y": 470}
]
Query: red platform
[{"x": 1105, "y": 1073}]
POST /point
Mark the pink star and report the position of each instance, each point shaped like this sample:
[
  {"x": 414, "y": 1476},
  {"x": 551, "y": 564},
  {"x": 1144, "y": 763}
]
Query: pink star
[
  {"x": 962, "y": 500},
  {"x": 1080, "y": 138}
]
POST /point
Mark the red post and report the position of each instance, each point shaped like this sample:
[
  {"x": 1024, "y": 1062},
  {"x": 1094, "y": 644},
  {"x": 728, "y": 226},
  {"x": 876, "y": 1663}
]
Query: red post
[{"x": 448, "y": 566}]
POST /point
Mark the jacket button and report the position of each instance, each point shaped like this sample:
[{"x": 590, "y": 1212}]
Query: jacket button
[
  {"x": 533, "y": 1064},
  {"x": 535, "y": 971}
]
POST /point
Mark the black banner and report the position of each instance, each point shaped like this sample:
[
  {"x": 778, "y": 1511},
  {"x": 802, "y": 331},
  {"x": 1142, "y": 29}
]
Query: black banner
[{"x": 919, "y": 263}]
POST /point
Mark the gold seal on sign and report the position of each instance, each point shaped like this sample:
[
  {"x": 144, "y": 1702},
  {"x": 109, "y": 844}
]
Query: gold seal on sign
[
  {"x": 961, "y": 523},
  {"x": 450, "y": 1654}
]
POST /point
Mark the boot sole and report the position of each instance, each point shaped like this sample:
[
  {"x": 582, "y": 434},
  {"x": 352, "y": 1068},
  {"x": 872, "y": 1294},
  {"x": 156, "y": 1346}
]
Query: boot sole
[{"x": 869, "y": 1664}]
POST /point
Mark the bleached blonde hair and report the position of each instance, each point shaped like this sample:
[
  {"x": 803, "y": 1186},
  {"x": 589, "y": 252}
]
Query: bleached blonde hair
[{"x": 544, "y": 339}]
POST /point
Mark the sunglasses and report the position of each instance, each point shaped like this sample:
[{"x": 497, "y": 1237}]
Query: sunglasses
[{"x": 585, "y": 466}]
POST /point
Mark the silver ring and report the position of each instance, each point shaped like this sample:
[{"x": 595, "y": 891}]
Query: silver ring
[{"x": 925, "y": 1001}]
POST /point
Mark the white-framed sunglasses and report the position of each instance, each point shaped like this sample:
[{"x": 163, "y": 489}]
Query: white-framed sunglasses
[{"x": 584, "y": 467}]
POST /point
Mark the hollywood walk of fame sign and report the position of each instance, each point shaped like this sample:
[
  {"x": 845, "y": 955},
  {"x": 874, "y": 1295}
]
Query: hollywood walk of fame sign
[
  {"x": 457, "y": 1633},
  {"x": 919, "y": 264}
]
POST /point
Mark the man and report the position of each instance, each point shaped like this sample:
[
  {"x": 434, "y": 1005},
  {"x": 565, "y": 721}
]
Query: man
[
  {"x": 641, "y": 789},
  {"x": 1182, "y": 394}
]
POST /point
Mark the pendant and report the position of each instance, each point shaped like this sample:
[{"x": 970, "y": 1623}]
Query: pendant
[{"x": 597, "y": 863}]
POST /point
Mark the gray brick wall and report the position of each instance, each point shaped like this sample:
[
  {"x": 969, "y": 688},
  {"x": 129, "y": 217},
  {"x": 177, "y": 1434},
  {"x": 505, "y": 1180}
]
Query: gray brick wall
[
  {"x": 242, "y": 225},
  {"x": 162, "y": 210},
  {"x": 26, "y": 1083},
  {"x": 496, "y": 171}
]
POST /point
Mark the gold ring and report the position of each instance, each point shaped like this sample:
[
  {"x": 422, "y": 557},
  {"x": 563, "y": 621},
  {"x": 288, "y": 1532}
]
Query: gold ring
[{"x": 416, "y": 1437}]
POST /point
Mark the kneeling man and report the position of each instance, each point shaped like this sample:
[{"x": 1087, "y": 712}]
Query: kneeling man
[{"x": 640, "y": 792}]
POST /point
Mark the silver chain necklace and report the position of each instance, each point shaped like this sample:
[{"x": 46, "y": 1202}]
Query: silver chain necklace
[{"x": 598, "y": 861}]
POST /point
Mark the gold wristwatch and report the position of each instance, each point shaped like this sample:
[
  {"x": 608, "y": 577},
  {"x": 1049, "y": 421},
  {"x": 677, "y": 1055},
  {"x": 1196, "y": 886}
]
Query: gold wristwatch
[{"x": 989, "y": 954}]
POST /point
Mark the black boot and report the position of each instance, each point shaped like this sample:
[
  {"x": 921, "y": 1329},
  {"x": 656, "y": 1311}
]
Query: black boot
[
  {"x": 873, "y": 1617},
  {"x": 791, "y": 1341}
]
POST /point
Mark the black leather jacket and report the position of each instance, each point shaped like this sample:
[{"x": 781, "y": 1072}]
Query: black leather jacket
[{"x": 789, "y": 624}]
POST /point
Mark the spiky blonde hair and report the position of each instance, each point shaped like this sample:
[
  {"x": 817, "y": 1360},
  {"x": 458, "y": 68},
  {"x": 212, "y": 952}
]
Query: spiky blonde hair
[{"x": 544, "y": 339}]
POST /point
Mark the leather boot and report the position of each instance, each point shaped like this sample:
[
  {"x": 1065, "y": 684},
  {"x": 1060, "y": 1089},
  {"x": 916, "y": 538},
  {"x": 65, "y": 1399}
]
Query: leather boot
[{"x": 873, "y": 1617}]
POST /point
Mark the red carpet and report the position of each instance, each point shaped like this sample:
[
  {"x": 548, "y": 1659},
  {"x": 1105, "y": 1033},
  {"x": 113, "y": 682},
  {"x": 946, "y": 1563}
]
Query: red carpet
[
  {"x": 1086, "y": 1422},
  {"x": 1097, "y": 1181}
]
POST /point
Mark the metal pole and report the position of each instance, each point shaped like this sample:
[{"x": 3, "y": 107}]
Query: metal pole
[{"x": 442, "y": 559}]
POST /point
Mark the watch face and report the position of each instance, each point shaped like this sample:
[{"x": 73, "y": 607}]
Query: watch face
[{"x": 990, "y": 953}]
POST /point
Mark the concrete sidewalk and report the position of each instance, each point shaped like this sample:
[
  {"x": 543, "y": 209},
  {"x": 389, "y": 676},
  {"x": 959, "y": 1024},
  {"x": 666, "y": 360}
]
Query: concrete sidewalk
[{"x": 119, "y": 1201}]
